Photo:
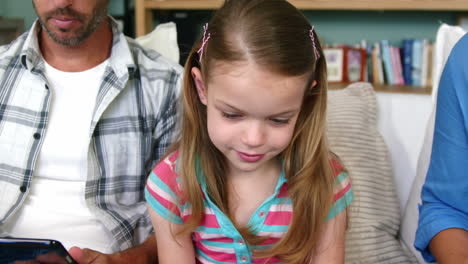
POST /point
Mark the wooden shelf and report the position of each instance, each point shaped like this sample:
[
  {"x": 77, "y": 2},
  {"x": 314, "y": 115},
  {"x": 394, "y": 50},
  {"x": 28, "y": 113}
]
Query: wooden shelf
[
  {"x": 144, "y": 18},
  {"x": 404, "y": 89}
]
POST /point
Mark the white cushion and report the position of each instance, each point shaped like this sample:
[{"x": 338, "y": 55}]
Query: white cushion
[
  {"x": 374, "y": 214},
  {"x": 446, "y": 38},
  {"x": 162, "y": 39}
]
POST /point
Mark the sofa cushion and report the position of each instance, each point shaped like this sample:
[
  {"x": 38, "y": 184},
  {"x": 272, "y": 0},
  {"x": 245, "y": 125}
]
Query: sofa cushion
[
  {"x": 162, "y": 39},
  {"x": 374, "y": 215}
]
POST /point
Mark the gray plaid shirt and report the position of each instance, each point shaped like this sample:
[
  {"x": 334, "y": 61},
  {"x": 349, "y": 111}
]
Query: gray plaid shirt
[{"x": 133, "y": 123}]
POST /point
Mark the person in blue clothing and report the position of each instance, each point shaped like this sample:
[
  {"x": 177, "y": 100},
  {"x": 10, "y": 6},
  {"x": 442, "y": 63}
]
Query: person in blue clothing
[{"x": 442, "y": 233}]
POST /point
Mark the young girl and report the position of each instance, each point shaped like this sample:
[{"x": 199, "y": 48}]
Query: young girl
[{"x": 252, "y": 179}]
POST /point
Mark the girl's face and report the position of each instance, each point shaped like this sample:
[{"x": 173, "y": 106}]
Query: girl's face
[{"x": 251, "y": 113}]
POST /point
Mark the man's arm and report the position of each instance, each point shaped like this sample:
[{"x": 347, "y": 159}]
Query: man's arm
[
  {"x": 145, "y": 253},
  {"x": 450, "y": 246}
]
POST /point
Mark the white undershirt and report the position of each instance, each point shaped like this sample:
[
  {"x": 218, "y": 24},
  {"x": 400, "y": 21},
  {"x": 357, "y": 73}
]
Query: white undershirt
[{"x": 55, "y": 207}]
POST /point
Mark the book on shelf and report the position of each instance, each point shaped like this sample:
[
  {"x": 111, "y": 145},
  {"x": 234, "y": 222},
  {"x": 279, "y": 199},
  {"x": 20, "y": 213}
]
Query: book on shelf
[
  {"x": 335, "y": 64},
  {"x": 407, "y": 51},
  {"x": 346, "y": 64},
  {"x": 416, "y": 63},
  {"x": 377, "y": 68},
  {"x": 408, "y": 64},
  {"x": 424, "y": 58},
  {"x": 356, "y": 64},
  {"x": 430, "y": 58},
  {"x": 387, "y": 62},
  {"x": 397, "y": 66}
]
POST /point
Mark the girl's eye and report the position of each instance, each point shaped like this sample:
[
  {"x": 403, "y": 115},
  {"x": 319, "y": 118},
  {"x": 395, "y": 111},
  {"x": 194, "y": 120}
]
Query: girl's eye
[
  {"x": 280, "y": 121},
  {"x": 231, "y": 115}
]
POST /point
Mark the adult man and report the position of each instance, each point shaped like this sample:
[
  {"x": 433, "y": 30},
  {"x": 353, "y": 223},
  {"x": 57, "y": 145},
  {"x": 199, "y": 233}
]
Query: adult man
[
  {"x": 84, "y": 115},
  {"x": 442, "y": 233}
]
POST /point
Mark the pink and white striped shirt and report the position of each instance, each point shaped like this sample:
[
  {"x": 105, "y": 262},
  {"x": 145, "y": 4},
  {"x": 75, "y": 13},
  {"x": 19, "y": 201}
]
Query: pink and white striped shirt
[{"x": 216, "y": 240}]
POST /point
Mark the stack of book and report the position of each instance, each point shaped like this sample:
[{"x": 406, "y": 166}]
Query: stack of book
[
  {"x": 409, "y": 64},
  {"x": 382, "y": 63}
]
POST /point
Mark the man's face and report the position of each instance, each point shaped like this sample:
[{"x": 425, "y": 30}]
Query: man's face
[{"x": 70, "y": 22}]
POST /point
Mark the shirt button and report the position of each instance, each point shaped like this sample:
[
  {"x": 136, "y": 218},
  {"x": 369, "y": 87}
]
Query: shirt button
[
  {"x": 244, "y": 258},
  {"x": 261, "y": 214},
  {"x": 47, "y": 87},
  {"x": 23, "y": 188},
  {"x": 240, "y": 241},
  {"x": 37, "y": 135}
]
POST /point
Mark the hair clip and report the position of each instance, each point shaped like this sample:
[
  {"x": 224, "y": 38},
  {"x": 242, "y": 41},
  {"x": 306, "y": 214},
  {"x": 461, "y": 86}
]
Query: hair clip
[
  {"x": 311, "y": 34},
  {"x": 206, "y": 37}
]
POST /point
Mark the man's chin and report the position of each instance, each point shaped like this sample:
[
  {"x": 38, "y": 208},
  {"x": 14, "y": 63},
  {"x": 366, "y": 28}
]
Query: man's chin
[{"x": 66, "y": 40}]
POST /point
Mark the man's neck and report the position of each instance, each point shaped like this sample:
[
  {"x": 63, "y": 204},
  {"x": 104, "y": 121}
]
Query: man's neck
[{"x": 86, "y": 55}]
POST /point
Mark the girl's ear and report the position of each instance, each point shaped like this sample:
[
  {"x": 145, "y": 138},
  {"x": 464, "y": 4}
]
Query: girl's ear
[
  {"x": 198, "y": 79},
  {"x": 314, "y": 83},
  {"x": 309, "y": 90}
]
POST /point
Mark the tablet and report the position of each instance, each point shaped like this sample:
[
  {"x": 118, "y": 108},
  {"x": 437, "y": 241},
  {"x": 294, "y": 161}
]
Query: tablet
[{"x": 23, "y": 249}]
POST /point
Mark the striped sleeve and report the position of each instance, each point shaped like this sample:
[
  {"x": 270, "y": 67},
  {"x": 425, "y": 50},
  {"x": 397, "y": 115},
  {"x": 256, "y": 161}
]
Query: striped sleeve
[
  {"x": 162, "y": 190},
  {"x": 342, "y": 194}
]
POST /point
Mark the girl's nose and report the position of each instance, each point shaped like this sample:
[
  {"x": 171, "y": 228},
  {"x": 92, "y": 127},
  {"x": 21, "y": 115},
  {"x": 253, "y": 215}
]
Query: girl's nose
[{"x": 254, "y": 134}]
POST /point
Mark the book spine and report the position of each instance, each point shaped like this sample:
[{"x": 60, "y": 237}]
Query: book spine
[
  {"x": 416, "y": 62},
  {"x": 407, "y": 60},
  {"x": 399, "y": 65},
  {"x": 424, "y": 62},
  {"x": 387, "y": 62},
  {"x": 379, "y": 64}
]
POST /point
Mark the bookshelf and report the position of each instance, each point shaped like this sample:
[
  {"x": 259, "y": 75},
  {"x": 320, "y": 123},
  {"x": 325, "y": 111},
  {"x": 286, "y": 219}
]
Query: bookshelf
[
  {"x": 144, "y": 16},
  {"x": 385, "y": 88}
]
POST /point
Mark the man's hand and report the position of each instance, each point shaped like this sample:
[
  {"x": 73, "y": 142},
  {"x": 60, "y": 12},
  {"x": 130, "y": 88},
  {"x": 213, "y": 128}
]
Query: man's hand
[
  {"x": 143, "y": 254},
  {"x": 89, "y": 256}
]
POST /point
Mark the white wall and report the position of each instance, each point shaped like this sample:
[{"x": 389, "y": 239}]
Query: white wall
[{"x": 402, "y": 122}]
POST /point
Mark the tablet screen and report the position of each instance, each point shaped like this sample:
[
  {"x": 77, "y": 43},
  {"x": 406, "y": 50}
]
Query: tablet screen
[{"x": 21, "y": 249}]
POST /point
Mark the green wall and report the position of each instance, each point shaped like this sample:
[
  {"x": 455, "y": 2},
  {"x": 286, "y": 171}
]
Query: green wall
[
  {"x": 19, "y": 9},
  {"x": 2, "y": 8},
  {"x": 350, "y": 27}
]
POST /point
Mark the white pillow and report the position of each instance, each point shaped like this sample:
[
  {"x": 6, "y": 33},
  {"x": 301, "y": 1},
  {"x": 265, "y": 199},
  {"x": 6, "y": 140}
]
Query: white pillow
[
  {"x": 162, "y": 39},
  {"x": 374, "y": 214},
  {"x": 447, "y": 37}
]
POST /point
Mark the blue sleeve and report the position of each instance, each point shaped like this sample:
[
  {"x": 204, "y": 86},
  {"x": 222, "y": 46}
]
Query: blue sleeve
[{"x": 445, "y": 193}]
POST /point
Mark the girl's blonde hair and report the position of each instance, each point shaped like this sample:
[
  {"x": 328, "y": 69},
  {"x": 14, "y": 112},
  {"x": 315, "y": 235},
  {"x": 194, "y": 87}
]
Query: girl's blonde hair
[{"x": 274, "y": 35}]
